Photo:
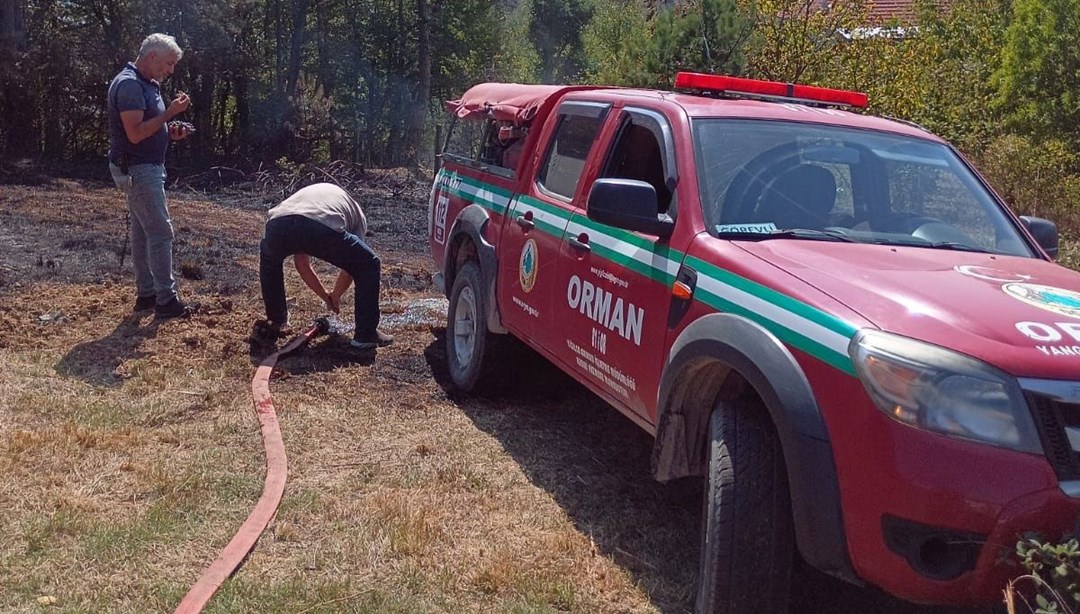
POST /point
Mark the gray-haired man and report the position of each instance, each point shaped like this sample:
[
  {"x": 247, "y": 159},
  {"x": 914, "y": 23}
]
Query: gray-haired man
[{"x": 138, "y": 138}]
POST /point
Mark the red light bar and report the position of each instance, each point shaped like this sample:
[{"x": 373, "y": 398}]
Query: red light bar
[{"x": 723, "y": 84}]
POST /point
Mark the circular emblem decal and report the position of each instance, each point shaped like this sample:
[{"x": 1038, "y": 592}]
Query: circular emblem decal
[
  {"x": 1058, "y": 300},
  {"x": 527, "y": 266}
]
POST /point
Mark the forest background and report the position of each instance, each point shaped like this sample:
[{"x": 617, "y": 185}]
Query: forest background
[{"x": 284, "y": 83}]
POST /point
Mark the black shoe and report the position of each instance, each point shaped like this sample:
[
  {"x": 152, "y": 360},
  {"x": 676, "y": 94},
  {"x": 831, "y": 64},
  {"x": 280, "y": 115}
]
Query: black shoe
[
  {"x": 144, "y": 303},
  {"x": 265, "y": 330},
  {"x": 174, "y": 309},
  {"x": 368, "y": 342}
]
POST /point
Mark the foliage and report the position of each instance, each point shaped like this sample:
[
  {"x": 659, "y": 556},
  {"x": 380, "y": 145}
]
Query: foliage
[
  {"x": 299, "y": 78},
  {"x": 616, "y": 42},
  {"x": 517, "y": 60},
  {"x": 1039, "y": 77},
  {"x": 794, "y": 40},
  {"x": 1054, "y": 571},
  {"x": 636, "y": 42},
  {"x": 961, "y": 48},
  {"x": 1027, "y": 174},
  {"x": 345, "y": 80},
  {"x": 559, "y": 46},
  {"x": 698, "y": 35}
]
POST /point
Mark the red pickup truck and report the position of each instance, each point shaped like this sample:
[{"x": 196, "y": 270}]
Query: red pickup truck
[{"x": 831, "y": 316}]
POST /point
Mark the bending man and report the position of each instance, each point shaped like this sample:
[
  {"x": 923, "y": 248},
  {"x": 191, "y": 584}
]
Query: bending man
[{"x": 323, "y": 221}]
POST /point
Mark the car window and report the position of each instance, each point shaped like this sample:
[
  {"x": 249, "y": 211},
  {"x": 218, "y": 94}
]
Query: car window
[
  {"x": 466, "y": 139},
  {"x": 875, "y": 187},
  {"x": 495, "y": 146},
  {"x": 927, "y": 190},
  {"x": 566, "y": 156},
  {"x": 638, "y": 154}
]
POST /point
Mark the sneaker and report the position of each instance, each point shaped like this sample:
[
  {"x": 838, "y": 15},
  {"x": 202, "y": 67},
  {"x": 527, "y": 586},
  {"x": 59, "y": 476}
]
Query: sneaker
[
  {"x": 368, "y": 342},
  {"x": 144, "y": 303},
  {"x": 174, "y": 309}
]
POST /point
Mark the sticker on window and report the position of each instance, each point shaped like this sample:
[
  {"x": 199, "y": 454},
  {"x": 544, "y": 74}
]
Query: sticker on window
[{"x": 764, "y": 228}]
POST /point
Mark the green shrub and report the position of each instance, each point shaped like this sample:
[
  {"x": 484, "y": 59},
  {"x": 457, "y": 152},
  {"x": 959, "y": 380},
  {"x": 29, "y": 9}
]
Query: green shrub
[
  {"x": 1053, "y": 570},
  {"x": 1027, "y": 174}
]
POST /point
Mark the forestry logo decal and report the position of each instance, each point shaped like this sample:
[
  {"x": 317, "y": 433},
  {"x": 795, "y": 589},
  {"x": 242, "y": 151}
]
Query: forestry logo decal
[
  {"x": 527, "y": 266},
  {"x": 1058, "y": 300}
]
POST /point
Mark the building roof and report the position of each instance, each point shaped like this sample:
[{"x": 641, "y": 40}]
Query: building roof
[{"x": 886, "y": 11}]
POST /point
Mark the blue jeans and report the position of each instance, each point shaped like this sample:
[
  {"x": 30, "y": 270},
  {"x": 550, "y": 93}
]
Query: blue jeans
[
  {"x": 296, "y": 234},
  {"x": 151, "y": 229}
]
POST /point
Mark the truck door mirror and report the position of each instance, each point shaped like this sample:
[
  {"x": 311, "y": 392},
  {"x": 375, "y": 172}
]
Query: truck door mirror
[
  {"x": 627, "y": 204},
  {"x": 1045, "y": 233}
]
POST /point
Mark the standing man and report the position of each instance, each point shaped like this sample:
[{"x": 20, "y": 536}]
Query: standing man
[
  {"x": 323, "y": 221},
  {"x": 138, "y": 138}
]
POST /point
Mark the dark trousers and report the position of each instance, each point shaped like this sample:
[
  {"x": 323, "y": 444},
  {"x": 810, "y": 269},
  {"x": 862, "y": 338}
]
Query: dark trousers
[{"x": 296, "y": 234}]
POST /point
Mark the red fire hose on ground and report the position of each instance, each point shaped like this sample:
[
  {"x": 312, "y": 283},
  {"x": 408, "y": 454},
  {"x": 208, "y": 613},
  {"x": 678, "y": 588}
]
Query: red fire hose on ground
[{"x": 273, "y": 485}]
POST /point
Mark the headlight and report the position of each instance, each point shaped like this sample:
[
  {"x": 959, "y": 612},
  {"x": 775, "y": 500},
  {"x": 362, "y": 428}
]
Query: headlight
[{"x": 940, "y": 390}]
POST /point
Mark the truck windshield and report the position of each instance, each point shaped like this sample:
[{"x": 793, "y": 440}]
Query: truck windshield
[{"x": 762, "y": 179}]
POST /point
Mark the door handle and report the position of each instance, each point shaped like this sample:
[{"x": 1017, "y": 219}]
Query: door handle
[
  {"x": 580, "y": 242},
  {"x": 525, "y": 221}
]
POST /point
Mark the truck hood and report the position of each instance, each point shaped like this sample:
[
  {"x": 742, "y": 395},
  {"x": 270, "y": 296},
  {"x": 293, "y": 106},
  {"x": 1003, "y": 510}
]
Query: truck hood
[{"x": 1019, "y": 314}]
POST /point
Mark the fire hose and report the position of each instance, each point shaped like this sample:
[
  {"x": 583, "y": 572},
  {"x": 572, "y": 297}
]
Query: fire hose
[{"x": 273, "y": 484}]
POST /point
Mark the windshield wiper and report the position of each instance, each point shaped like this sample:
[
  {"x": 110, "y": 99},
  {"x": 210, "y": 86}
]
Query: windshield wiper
[
  {"x": 788, "y": 233},
  {"x": 960, "y": 247},
  {"x": 949, "y": 245}
]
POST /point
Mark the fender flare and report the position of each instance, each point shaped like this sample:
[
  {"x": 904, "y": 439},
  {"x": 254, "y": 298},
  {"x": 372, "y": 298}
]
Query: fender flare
[
  {"x": 719, "y": 346},
  {"x": 469, "y": 226}
]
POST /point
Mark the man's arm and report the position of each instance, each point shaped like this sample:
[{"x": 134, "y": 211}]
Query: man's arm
[
  {"x": 303, "y": 267},
  {"x": 344, "y": 280},
  {"x": 139, "y": 129}
]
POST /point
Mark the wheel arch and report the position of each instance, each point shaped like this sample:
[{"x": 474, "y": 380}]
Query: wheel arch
[
  {"x": 465, "y": 242},
  {"x": 723, "y": 356}
]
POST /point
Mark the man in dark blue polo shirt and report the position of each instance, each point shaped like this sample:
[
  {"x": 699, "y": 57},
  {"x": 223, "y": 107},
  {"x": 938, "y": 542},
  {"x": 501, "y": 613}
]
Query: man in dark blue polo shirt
[{"x": 138, "y": 137}]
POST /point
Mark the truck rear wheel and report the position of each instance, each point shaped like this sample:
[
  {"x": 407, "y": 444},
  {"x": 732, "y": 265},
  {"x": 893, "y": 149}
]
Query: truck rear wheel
[
  {"x": 469, "y": 344},
  {"x": 747, "y": 539}
]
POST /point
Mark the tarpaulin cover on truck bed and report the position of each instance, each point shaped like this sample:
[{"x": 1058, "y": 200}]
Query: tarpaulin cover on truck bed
[{"x": 514, "y": 102}]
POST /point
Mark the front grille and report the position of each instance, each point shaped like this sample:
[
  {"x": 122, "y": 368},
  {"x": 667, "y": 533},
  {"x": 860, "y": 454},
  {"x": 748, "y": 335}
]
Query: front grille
[{"x": 1055, "y": 405}]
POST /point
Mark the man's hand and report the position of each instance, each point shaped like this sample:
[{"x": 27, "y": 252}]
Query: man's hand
[
  {"x": 179, "y": 131},
  {"x": 178, "y": 105}
]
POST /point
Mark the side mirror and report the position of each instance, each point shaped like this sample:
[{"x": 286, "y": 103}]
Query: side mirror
[
  {"x": 628, "y": 204},
  {"x": 1045, "y": 233}
]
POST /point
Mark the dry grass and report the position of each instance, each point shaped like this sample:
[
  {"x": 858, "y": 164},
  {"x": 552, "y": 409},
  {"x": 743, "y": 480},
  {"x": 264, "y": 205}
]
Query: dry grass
[{"x": 131, "y": 454}]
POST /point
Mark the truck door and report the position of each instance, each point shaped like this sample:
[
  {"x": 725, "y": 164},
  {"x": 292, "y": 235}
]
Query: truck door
[
  {"x": 538, "y": 217},
  {"x": 615, "y": 285}
]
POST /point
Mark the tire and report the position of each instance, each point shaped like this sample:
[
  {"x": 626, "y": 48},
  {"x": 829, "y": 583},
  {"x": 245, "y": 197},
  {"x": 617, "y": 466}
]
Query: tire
[
  {"x": 469, "y": 344},
  {"x": 747, "y": 539}
]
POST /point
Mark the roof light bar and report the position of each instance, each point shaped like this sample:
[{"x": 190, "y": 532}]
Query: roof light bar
[{"x": 790, "y": 92}]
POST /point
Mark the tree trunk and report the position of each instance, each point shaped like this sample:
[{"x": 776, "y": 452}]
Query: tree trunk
[
  {"x": 202, "y": 102},
  {"x": 241, "y": 125},
  {"x": 111, "y": 17},
  {"x": 12, "y": 29},
  {"x": 414, "y": 134},
  {"x": 327, "y": 77},
  {"x": 296, "y": 45},
  {"x": 221, "y": 136},
  {"x": 287, "y": 141}
]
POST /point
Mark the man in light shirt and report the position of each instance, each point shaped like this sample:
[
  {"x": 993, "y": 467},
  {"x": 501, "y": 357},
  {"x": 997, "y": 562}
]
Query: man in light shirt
[{"x": 325, "y": 222}]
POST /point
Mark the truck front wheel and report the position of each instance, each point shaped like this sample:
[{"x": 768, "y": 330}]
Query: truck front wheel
[
  {"x": 747, "y": 539},
  {"x": 468, "y": 342}
]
